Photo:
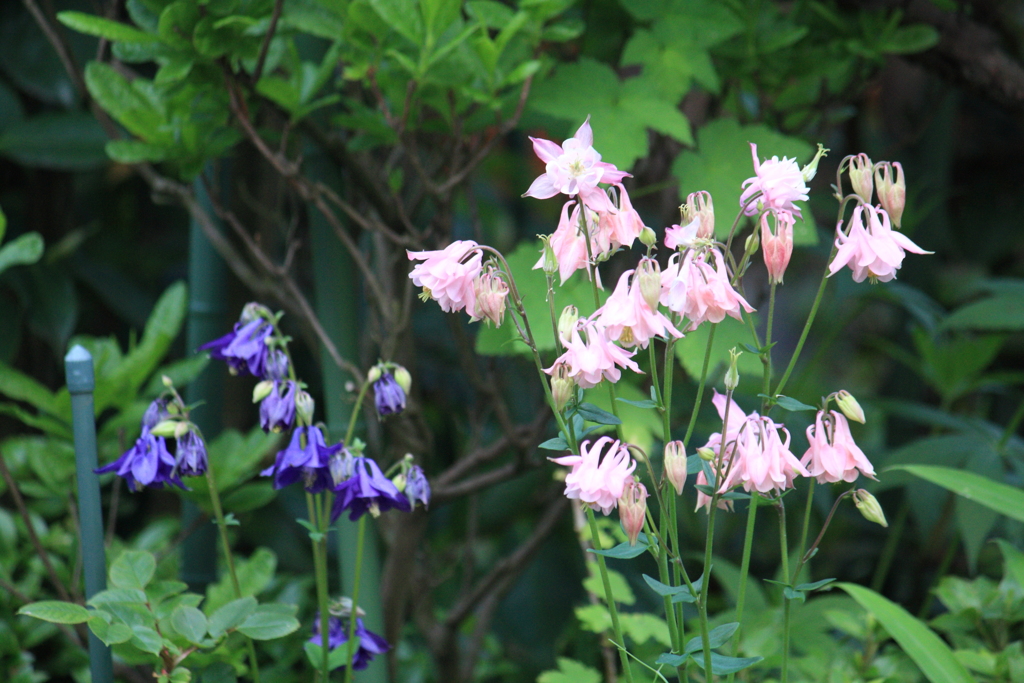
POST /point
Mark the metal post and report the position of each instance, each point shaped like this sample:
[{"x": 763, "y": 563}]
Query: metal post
[{"x": 79, "y": 372}]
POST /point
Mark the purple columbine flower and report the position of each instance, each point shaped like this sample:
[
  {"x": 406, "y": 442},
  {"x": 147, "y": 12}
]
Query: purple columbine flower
[
  {"x": 388, "y": 395},
  {"x": 417, "y": 488},
  {"x": 307, "y": 457},
  {"x": 244, "y": 349},
  {"x": 155, "y": 413},
  {"x": 147, "y": 463},
  {"x": 367, "y": 490},
  {"x": 277, "y": 410},
  {"x": 370, "y": 644},
  {"x": 191, "y": 459},
  {"x": 276, "y": 365}
]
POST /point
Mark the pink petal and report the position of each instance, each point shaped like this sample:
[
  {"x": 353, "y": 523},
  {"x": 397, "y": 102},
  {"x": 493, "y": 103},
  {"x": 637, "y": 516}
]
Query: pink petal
[
  {"x": 542, "y": 188},
  {"x": 585, "y": 135},
  {"x": 546, "y": 150}
]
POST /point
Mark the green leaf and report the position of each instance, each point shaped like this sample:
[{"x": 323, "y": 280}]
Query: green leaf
[
  {"x": 57, "y": 612},
  {"x": 250, "y": 497},
  {"x": 993, "y": 314},
  {"x": 620, "y": 587},
  {"x": 1004, "y": 499},
  {"x": 591, "y": 413},
  {"x": 646, "y": 403},
  {"x": 133, "y": 569},
  {"x": 791, "y": 404},
  {"x": 1014, "y": 562},
  {"x": 722, "y": 665},
  {"x": 270, "y": 621},
  {"x": 717, "y": 637},
  {"x": 814, "y": 585},
  {"x": 641, "y": 627},
  {"x": 909, "y": 39},
  {"x": 104, "y": 28},
  {"x": 570, "y": 671},
  {"x": 24, "y": 250},
  {"x": 231, "y": 615},
  {"x": 19, "y": 386},
  {"x": 555, "y": 444},
  {"x": 400, "y": 16},
  {"x": 665, "y": 590},
  {"x": 190, "y": 622},
  {"x": 920, "y": 643},
  {"x": 624, "y": 550},
  {"x": 254, "y": 575},
  {"x": 147, "y": 639},
  {"x": 110, "y": 634},
  {"x": 65, "y": 141},
  {"x": 118, "y": 595},
  {"x": 127, "y": 102},
  {"x": 134, "y": 151}
]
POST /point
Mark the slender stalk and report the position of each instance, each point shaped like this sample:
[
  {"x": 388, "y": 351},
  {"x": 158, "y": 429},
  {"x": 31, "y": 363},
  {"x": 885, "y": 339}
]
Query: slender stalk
[
  {"x": 551, "y": 309},
  {"x": 784, "y": 549},
  {"x": 767, "y": 356},
  {"x": 1011, "y": 427},
  {"x": 700, "y": 386},
  {"x": 803, "y": 335},
  {"x": 355, "y": 597},
  {"x": 222, "y": 526},
  {"x": 666, "y": 394},
  {"x": 741, "y": 598},
  {"x": 355, "y": 412},
  {"x": 320, "y": 576},
  {"x": 807, "y": 518},
  {"x": 609, "y": 597}
]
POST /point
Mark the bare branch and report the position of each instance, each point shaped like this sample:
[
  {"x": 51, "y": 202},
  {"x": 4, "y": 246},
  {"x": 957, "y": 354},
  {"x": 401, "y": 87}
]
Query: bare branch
[
  {"x": 56, "y": 39},
  {"x": 261, "y": 60}
]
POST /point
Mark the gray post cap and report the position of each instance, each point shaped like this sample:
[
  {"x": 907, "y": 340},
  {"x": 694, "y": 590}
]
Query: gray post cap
[{"x": 78, "y": 370}]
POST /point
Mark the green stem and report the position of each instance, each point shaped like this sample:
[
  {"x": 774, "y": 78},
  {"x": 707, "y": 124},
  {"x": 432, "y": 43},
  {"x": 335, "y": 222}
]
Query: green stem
[
  {"x": 551, "y": 309},
  {"x": 320, "y": 575},
  {"x": 609, "y": 597},
  {"x": 741, "y": 597},
  {"x": 766, "y": 358},
  {"x": 355, "y": 599},
  {"x": 784, "y": 549},
  {"x": 673, "y": 534},
  {"x": 807, "y": 519},
  {"x": 1011, "y": 428},
  {"x": 700, "y": 386},
  {"x": 355, "y": 412},
  {"x": 218, "y": 512},
  {"x": 666, "y": 394}
]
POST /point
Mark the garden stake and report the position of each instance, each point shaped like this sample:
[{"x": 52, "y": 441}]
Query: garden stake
[{"x": 79, "y": 373}]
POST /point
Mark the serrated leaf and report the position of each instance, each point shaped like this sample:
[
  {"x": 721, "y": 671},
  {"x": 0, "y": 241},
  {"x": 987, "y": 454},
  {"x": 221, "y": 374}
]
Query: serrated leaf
[
  {"x": 56, "y": 611},
  {"x": 254, "y": 574},
  {"x": 620, "y": 587},
  {"x": 133, "y": 569}
]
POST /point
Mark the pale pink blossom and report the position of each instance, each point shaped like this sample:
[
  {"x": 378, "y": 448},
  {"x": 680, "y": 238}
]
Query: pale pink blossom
[
  {"x": 622, "y": 227},
  {"x": 697, "y": 286},
  {"x": 569, "y": 244},
  {"x": 628, "y": 318},
  {"x": 490, "y": 291},
  {"x": 633, "y": 509},
  {"x": 833, "y": 456},
  {"x": 595, "y": 359},
  {"x": 872, "y": 249},
  {"x": 777, "y": 247},
  {"x": 780, "y": 183},
  {"x": 595, "y": 480},
  {"x": 572, "y": 168},
  {"x": 892, "y": 194},
  {"x": 698, "y": 213},
  {"x": 446, "y": 275}
]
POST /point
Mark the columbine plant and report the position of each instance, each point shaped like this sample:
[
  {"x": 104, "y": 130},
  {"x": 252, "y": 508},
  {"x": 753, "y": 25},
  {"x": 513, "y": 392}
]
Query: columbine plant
[{"x": 750, "y": 457}]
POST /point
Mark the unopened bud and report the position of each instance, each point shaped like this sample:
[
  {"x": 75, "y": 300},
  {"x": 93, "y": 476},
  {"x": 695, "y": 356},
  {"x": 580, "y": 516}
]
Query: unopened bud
[
  {"x": 700, "y": 207},
  {"x": 168, "y": 382},
  {"x": 648, "y": 237},
  {"x": 374, "y": 374},
  {"x": 848, "y": 404},
  {"x": 165, "y": 428},
  {"x": 778, "y": 246},
  {"x": 892, "y": 194},
  {"x": 262, "y": 390},
  {"x": 252, "y": 311},
  {"x": 304, "y": 407},
  {"x": 861, "y": 169},
  {"x": 706, "y": 454},
  {"x": 562, "y": 386},
  {"x": 675, "y": 465},
  {"x": 182, "y": 429},
  {"x": 649, "y": 276},
  {"x": 752, "y": 243},
  {"x": 490, "y": 292},
  {"x": 869, "y": 507},
  {"x": 549, "y": 260},
  {"x": 403, "y": 378},
  {"x": 732, "y": 375},
  {"x": 811, "y": 169},
  {"x": 399, "y": 482},
  {"x": 633, "y": 509},
  {"x": 567, "y": 322}
]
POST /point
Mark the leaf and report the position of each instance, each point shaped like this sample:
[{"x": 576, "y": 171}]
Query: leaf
[
  {"x": 791, "y": 404},
  {"x": 65, "y": 141},
  {"x": 21, "y": 387},
  {"x": 398, "y": 16},
  {"x": 23, "y": 250},
  {"x": 664, "y": 590},
  {"x": 126, "y": 102},
  {"x": 231, "y": 615},
  {"x": 57, "y": 612},
  {"x": 110, "y": 634},
  {"x": 624, "y": 550},
  {"x": 190, "y": 622},
  {"x": 591, "y": 413},
  {"x": 721, "y": 665},
  {"x": 646, "y": 403},
  {"x": 254, "y": 575},
  {"x": 620, "y": 587},
  {"x": 270, "y": 621},
  {"x": 717, "y": 637},
  {"x": 814, "y": 585},
  {"x": 641, "y": 627},
  {"x": 556, "y": 444},
  {"x": 1004, "y": 499},
  {"x": 1014, "y": 562},
  {"x": 134, "y": 151},
  {"x": 133, "y": 569},
  {"x": 104, "y": 28},
  {"x": 936, "y": 661},
  {"x": 147, "y": 639},
  {"x": 250, "y": 497},
  {"x": 993, "y": 314},
  {"x": 570, "y": 671}
]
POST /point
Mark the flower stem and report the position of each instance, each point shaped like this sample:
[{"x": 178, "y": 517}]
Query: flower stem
[
  {"x": 766, "y": 357},
  {"x": 700, "y": 386},
  {"x": 320, "y": 575},
  {"x": 666, "y": 394},
  {"x": 361, "y": 537},
  {"x": 355, "y": 412},
  {"x": 222, "y": 526},
  {"x": 784, "y": 548},
  {"x": 741, "y": 598},
  {"x": 609, "y": 597},
  {"x": 807, "y": 518}
]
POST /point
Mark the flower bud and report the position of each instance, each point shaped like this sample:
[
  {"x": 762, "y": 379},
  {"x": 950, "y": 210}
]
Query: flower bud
[
  {"x": 648, "y": 237},
  {"x": 562, "y": 386},
  {"x": 304, "y": 405},
  {"x": 633, "y": 509},
  {"x": 861, "y": 169},
  {"x": 706, "y": 454},
  {"x": 374, "y": 374},
  {"x": 403, "y": 378},
  {"x": 811, "y": 169},
  {"x": 732, "y": 375},
  {"x": 567, "y": 322},
  {"x": 649, "y": 276},
  {"x": 253, "y": 311},
  {"x": 778, "y": 247},
  {"x": 168, "y": 382},
  {"x": 699, "y": 206},
  {"x": 550, "y": 261},
  {"x": 892, "y": 195},
  {"x": 869, "y": 507},
  {"x": 752, "y": 243},
  {"x": 848, "y": 404},
  {"x": 490, "y": 292},
  {"x": 182, "y": 428},
  {"x": 262, "y": 390},
  {"x": 164, "y": 428},
  {"x": 675, "y": 465},
  {"x": 399, "y": 481}
]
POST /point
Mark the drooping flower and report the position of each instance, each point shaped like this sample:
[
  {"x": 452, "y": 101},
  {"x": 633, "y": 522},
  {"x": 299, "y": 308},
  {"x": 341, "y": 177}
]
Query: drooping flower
[
  {"x": 147, "y": 463},
  {"x": 568, "y": 244},
  {"x": 596, "y": 359},
  {"x": 417, "y": 488},
  {"x": 780, "y": 183},
  {"x": 599, "y": 473},
  {"x": 872, "y": 249},
  {"x": 370, "y": 644},
  {"x": 628, "y": 318},
  {"x": 572, "y": 168},
  {"x": 490, "y": 290},
  {"x": 697, "y": 286},
  {"x": 698, "y": 219},
  {"x": 892, "y": 194},
  {"x": 307, "y": 457},
  {"x": 388, "y": 395},
  {"x": 633, "y": 509},
  {"x": 277, "y": 409},
  {"x": 244, "y": 349},
  {"x": 155, "y": 413},
  {"x": 277, "y": 365},
  {"x": 833, "y": 456},
  {"x": 190, "y": 456},
  {"x": 777, "y": 247},
  {"x": 860, "y": 171},
  {"x": 367, "y": 490},
  {"x": 620, "y": 228},
  {"x": 446, "y": 275}
]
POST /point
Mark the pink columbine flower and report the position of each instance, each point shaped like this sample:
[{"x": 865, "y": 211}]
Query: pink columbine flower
[
  {"x": 629, "y": 319},
  {"x": 574, "y": 168},
  {"x": 872, "y": 249},
  {"x": 622, "y": 227},
  {"x": 892, "y": 194},
  {"x": 833, "y": 456},
  {"x": 490, "y": 291},
  {"x": 780, "y": 183},
  {"x": 699, "y": 289},
  {"x": 595, "y": 480},
  {"x": 633, "y": 509},
  {"x": 594, "y": 360},
  {"x": 569, "y": 244},
  {"x": 777, "y": 247},
  {"x": 447, "y": 275},
  {"x": 698, "y": 213}
]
